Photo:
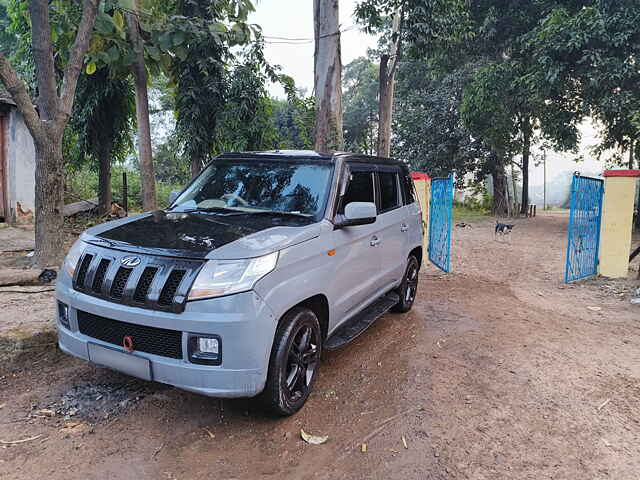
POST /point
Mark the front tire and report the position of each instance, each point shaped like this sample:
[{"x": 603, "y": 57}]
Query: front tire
[
  {"x": 409, "y": 286},
  {"x": 294, "y": 362}
]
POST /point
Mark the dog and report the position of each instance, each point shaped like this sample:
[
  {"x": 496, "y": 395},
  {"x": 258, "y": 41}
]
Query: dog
[{"x": 503, "y": 229}]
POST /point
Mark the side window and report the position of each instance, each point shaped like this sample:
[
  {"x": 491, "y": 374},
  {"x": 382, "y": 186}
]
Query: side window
[
  {"x": 407, "y": 189},
  {"x": 388, "y": 191},
  {"x": 359, "y": 189}
]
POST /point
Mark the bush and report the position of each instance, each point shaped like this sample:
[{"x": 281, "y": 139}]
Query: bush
[{"x": 82, "y": 184}]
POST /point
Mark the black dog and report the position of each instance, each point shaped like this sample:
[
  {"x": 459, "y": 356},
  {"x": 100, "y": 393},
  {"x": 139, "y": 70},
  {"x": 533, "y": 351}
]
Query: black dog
[{"x": 503, "y": 229}]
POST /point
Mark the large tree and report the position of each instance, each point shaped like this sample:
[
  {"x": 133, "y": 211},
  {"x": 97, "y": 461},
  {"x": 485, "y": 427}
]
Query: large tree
[
  {"x": 103, "y": 121},
  {"x": 47, "y": 123},
  {"x": 327, "y": 76}
]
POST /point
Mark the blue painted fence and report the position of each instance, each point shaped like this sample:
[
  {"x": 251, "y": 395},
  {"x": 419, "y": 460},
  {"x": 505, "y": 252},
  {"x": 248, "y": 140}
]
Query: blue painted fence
[
  {"x": 583, "y": 245},
  {"x": 440, "y": 218}
]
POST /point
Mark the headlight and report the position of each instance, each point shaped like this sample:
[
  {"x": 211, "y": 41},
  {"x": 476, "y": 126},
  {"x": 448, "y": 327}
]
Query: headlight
[
  {"x": 72, "y": 258},
  {"x": 224, "y": 277}
]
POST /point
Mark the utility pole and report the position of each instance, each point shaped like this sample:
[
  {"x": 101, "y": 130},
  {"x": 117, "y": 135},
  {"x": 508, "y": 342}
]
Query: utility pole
[{"x": 327, "y": 76}]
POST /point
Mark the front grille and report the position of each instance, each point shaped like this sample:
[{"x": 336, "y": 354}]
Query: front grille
[
  {"x": 157, "y": 283},
  {"x": 98, "y": 278},
  {"x": 83, "y": 268},
  {"x": 120, "y": 281},
  {"x": 169, "y": 289},
  {"x": 157, "y": 341},
  {"x": 142, "y": 289}
]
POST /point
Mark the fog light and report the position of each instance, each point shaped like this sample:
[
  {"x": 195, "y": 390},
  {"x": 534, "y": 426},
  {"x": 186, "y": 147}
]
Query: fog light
[
  {"x": 63, "y": 314},
  {"x": 205, "y": 350}
]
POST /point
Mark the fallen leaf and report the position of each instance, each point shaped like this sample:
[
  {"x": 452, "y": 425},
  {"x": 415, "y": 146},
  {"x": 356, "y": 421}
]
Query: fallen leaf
[
  {"x": 312, "y": 439},
  {"x": 2, "y": 405},
  {"x": 211, "y": 435},
  {"x": 594, "y": 309},
  {"x": 47, "y": 412},
  {"x": 404, "y": 442}
]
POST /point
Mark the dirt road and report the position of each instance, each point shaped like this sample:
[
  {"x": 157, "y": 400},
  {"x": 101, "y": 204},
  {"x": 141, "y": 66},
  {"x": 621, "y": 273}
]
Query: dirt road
[{"x": 499, "y": 372}]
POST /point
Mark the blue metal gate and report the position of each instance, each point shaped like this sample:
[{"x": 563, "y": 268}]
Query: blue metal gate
[
  {"x": 583, "y": 244},
  {"x": 440, "y": 212}
]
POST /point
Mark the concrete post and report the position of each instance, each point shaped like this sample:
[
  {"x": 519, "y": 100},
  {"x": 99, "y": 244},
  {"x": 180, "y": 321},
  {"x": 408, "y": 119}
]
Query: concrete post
[
  {"x": 422, "y": 182},
  {"x": 617, "y": 218}
]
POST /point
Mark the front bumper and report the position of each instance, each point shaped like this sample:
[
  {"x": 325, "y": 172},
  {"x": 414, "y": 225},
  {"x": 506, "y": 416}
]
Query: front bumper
[{"x": 244, "y": 323}]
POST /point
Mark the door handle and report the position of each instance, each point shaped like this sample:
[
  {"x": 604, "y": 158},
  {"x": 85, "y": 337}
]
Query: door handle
[
  {"x": 404, "y": 227},
  {"x": 374, "y": 241}
]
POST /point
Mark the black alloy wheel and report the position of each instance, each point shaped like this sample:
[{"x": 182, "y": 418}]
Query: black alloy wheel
[
  {"x": 409, "y": 287},
  {"x": 294, "y": 362}
]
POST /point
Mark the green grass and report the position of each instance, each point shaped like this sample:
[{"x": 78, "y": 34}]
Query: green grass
[{"x": 463, "y": 213}]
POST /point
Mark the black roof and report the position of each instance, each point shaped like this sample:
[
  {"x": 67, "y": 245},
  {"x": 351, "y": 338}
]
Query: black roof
[{"x": 285, "y": 155}]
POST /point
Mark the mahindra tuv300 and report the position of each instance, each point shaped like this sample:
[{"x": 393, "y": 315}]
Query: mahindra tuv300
[{"x": 263, "y": 261}]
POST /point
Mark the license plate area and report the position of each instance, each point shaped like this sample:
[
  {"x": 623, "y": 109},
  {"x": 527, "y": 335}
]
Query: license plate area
[{"x": 127, "y": 363}]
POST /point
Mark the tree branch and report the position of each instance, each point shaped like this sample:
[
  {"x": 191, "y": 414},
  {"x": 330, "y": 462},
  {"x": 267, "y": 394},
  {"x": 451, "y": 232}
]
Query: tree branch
[
  {"x": 76, "y": 58},
  {"x": 43, "y": 59},
  {"x": 18, "y": 91}
]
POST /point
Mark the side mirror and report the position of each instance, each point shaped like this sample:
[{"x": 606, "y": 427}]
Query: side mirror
[
  {"x": 358, "y": 213},
  {"x": 173, "y": 195}
]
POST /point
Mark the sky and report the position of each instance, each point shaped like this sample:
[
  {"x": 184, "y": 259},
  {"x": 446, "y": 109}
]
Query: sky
[{"x": 293, "y": 19}]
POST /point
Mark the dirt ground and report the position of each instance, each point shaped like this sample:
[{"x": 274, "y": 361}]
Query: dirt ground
[{"x": 500, "y": 371}]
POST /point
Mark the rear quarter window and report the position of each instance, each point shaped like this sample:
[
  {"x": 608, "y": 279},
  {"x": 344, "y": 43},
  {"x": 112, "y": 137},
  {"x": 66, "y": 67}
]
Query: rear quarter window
[{"x": 388, "y": 191}]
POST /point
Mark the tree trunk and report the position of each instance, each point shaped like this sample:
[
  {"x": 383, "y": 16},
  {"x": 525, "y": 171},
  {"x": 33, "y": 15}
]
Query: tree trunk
[
  {"x": 526, "y": 152},
  {"x": 631, "y": 155},
  {"x": 196, "y": 167},
  {"x": 499, "y": 178},
  {"x": 327, "y": 77},
  {"x": 105, "y": 196},
  {"x": 147, "y": 177},
  {"x": 388, "y": 67},
  {"x": 47, "y": 125},
  {"x": 49, "y": 200}
]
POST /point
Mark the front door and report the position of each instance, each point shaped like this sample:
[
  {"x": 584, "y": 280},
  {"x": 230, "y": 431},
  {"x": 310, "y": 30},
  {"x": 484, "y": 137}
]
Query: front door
[{"x": 356, "y": 250}]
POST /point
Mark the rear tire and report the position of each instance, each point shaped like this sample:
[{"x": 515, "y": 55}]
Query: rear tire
[
  {"x": 294, "y": 362},
  {"x": 409, "y": 286}
]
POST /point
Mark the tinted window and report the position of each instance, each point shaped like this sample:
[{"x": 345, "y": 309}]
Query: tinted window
[
  {"x": 407, "y": 189},
  {"x": 360, "y": 189},
  {"x": 388, "y": 191}
]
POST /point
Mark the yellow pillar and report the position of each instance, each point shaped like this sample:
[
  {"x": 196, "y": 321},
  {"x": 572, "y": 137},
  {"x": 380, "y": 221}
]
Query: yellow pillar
[
  {"x": 617, "y": 222},
  {"x": 422, "y": 182}
]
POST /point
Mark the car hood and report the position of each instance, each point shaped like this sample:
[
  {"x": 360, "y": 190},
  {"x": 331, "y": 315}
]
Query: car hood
[{"x": 202, "y": 235}]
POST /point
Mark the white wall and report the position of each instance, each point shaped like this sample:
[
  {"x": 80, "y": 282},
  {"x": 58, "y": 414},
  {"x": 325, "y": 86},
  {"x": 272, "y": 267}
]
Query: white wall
[{"x": 21, "y": 163}]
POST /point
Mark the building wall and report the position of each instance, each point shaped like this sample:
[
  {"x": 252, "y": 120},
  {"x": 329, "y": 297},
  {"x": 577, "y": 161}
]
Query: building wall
[{"x": 21, "y": 164}]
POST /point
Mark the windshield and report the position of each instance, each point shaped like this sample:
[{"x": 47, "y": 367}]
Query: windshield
[{"x": 259, "y": 186}]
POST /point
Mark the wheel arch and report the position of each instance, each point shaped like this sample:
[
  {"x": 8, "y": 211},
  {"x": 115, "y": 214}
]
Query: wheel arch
[
  {"x": 417, "y": 252},
  {"x": 318, "y": 304}
]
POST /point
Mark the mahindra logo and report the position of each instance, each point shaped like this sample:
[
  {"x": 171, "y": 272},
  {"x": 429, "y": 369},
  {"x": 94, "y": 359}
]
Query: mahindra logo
[{"x": 130, "y": 261}]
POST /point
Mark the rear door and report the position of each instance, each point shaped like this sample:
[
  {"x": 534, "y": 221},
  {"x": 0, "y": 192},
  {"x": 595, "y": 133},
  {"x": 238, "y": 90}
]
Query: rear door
[
  {"x": 356, "y": 254},
  {"x": 393, "y": 228}
]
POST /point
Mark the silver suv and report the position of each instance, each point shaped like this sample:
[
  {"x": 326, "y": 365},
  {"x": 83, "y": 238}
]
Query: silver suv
[{"x": 263, "y": 261}]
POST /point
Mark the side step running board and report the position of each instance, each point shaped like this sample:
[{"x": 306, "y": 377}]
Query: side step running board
[{"x": 353, "y": 327}]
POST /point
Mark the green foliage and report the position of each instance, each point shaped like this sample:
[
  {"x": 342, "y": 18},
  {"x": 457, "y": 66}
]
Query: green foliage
[
  {"x": 428, "y": 129},
  {"x": 589, "y": 55},
  {"x": 294, "y": 121},
  {"x": 360, "y": 105},
  {"x": 102, "y": 118}
]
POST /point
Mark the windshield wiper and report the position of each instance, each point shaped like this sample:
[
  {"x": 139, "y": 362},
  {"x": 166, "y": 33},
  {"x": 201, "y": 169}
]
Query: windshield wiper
[
  {"x": 273, "y": 213},
  {"x": 204, "y": 209}
]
